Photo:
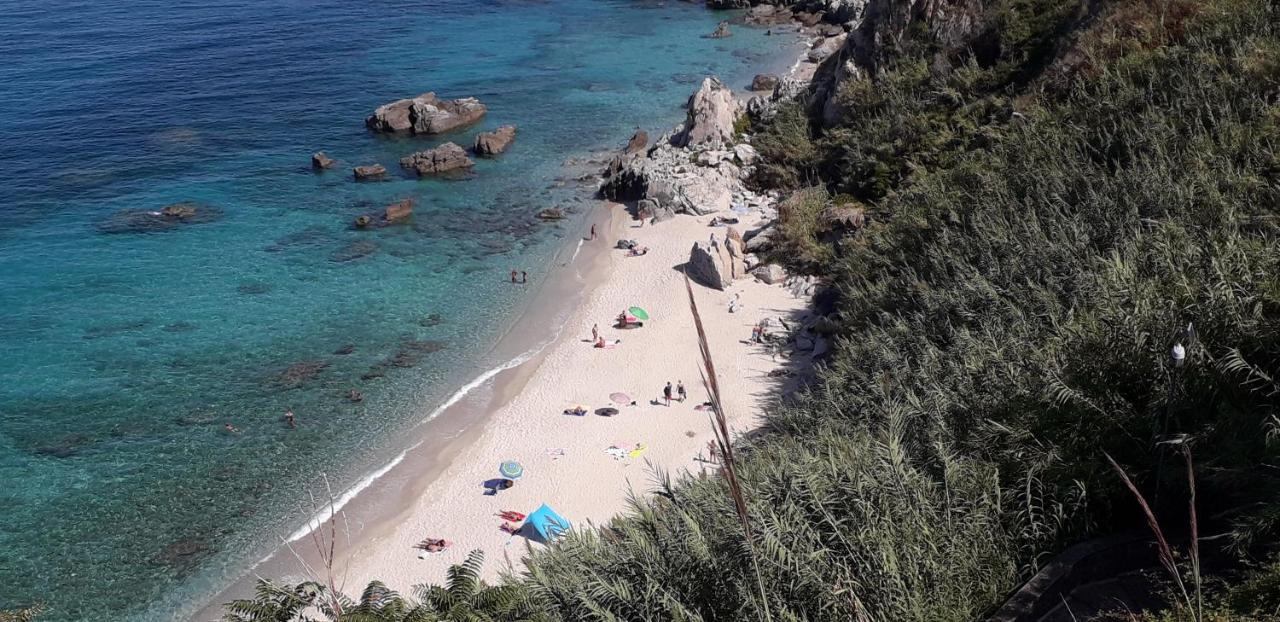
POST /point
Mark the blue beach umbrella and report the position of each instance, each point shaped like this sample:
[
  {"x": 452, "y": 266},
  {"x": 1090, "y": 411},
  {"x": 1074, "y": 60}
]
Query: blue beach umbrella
[{"x": 511, "y": 469}]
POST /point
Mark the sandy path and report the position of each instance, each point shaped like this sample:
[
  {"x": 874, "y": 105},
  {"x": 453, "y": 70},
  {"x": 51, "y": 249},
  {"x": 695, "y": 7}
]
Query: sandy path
[{"x": 586, "y": 484}]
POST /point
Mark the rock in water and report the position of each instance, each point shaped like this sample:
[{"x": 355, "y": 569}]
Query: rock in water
[
  {"x": 320, "y": 161},
  {"x": 765, "y": 82},
  {"x": 164, "y": 219},
  {"x": 551, "y": 213},
  {"x": 446, "y": 157},
  {"x": 495, "y": 142},
  {"x": 705, "y": 266},
  {"x": 369, "y": 172},
  {"x": 712, "y": 112},
  {"x": 722, "y": 31},
  {"x": 396, "y": 212},
  {"x": 638, "y": 142},
  {"x": 425, "y": 114}
]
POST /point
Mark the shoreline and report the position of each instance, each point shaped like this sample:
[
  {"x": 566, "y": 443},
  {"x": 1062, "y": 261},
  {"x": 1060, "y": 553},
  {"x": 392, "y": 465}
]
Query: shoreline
[{"x": 375, "y": 508}]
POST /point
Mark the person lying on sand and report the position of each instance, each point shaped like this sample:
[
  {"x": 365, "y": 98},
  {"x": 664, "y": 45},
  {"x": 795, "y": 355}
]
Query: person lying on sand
[
  {"x": 433, "y": 545},
  {"x": 577, "y": 411},
  {"x": 637, "y": 251},
  {"x": 601, "y": 343}
]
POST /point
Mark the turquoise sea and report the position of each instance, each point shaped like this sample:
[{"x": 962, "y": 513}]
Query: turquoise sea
[{"x": 123, "y": 353}]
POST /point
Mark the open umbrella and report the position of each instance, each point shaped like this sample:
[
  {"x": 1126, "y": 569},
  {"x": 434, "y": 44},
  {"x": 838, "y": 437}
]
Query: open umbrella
[
  {"x": 640, "y": 314},
  {"x": 511, "y": 469},
  {"x": 620, "y": 398}
]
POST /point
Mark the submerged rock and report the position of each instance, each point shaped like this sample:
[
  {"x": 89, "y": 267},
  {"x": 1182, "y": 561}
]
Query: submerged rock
[
  {"x": 495, "y": 142},
  {"x": 397, "y": 212},
  {"x": 442, "y": 159},
  {"x": 182, "y": 554},
  {"x": 353, "y": 251},
  {"x": 551, "y": 213},
  {"x": 345, "y": 350},
  {"x": 298, "y": 373},
  {"x": 425, "y": 114},
  {"x": 166, "y": 218}
]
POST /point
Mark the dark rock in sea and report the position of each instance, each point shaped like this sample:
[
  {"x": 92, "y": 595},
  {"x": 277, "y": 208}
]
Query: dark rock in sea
[
  {"x": 345, "y": 350},
  {"x": 370, "y": 172},
  {"x": 425, "y": 114},
  {"x": 765, "y": 82},
  {"x": 639, "y": 141},
  {"x": 182, "y": 555},
  {"x": 686, "y": 78},
  {"x": 311, "y": 236},
  {"x": 435, "y": 319},
  {"x": 721, "y": 31},
  {"x": 373, "y": 374},
  {"x": 165, "y": 219},
  {"x": 442, "y": 159},
  {"x": 299, "y": 373},
  {"x": 320, "y": 161},
  {"x": 66, "y": 447},
  {"x": 254, "y": 288},
  {"x": 354, "y": 250},
  {"x": 397, "y": 212},
  {"x": 551, "y": 213},
  {"x": 495, "y": 142},
  {"x": 411, "y": 352}
]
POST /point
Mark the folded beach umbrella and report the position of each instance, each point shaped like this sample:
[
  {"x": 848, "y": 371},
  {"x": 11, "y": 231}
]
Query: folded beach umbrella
[
  {"x": 511, "y": 469},
  {"x": 546, "y": 523},
  {"x": 620, "y": 398},
  {"x": 640, "y": 314}
]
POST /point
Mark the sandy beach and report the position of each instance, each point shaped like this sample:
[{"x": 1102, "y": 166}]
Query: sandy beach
[{"x": 566, "y": 465}]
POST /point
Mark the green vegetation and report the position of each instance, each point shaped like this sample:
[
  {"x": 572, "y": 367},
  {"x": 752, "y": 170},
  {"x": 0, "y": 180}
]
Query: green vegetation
[{"x": 1047, "y": 211}]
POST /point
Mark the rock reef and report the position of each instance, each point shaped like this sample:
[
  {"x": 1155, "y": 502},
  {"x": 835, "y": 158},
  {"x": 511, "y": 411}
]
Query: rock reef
[{"x": 425, "y": 114}]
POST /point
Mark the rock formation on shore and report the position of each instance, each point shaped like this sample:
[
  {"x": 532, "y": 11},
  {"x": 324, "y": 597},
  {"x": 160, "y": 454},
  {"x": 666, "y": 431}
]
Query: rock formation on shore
[
  {"x": 765, "y": 82},
  {"x": 446, "y": 157},
  {"x": 638, "y": 143},
  {"x": 712, "y": 113},
  {"x": 495, "y": 142},
  {"x": 425, "y": 114}
]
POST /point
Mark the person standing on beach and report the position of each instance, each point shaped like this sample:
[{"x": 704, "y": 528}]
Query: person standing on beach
[
  {"x": 680, "y": 390},
  {"x": 289, "y": 419},
  {"x": 593, "y": 231},
  {"x": 666, "y": 393},
  {"x": 595, "y": 332}
]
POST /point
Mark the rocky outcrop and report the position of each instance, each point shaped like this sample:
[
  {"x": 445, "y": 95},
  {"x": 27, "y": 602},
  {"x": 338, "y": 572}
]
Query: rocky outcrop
[
  {"x": 712, "y": 113},
  {"x": 826, "y": 48},
  {"x": 745, "y": 154},
  {"x": 833, "y": 11},
  {"x": 721, "y": 31},
  {"x": 760, "y": 240},
  {"x": 369, "y": 172},
  {"x": 399, "y": 211},
  {"x": 765, "y": 82},
  {"x": 551, "y": 213},
  {"x": 320, "y": 161},
  {"x": 768, "y": 15},
  {"x": 495, "y": 142},
  {"x": 425, "y": 114},
  {"x": 442, "y": 159},
  {"x": 353, "y": 251}
]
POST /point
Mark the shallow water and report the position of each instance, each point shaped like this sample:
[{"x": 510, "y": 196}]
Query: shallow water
[{"x": 126, "y": 353}]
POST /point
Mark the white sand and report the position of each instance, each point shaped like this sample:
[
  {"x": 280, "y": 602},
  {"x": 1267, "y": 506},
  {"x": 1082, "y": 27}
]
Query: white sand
[{"x": 586, "y": 484}]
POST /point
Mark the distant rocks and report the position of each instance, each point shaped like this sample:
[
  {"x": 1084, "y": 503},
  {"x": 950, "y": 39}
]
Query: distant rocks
[
  {"x": 369, "y": 172},
  {"x": 442, "y": 159},
  {"x": 166, "y": 218},
  {"x": 721, "y": 31},
  {"x": 712, "y": 112},
  {"x": 492, "y": 143},
  {"x": 399, "y": 211},
  {"x": 765, "y": 82},
  {"x": 320, "y": 161},
  {"x": 425, "y": 114},
  {"x": 551, "y": 213}
]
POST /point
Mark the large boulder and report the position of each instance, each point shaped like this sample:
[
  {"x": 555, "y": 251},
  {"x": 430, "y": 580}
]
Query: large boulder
[
  {"x": 425, "y": 114},
  {"x": 826, "y": 48},
  {"x": 320, "y": 161},
  {"x": 369, "y": 172},
  {"x": 765, "y": 82},
  {"x": 706, "y": 267},
  {"x": 746, "y": 154},
  {"x": 442, "y": 159},
  {"x": 760, "y": 240},
  {"x": 770, "y": 273},
  {"x": 495, "y": 142},
  {"x": 399, "y": 211},
  {"x": 712, "y": 113}
]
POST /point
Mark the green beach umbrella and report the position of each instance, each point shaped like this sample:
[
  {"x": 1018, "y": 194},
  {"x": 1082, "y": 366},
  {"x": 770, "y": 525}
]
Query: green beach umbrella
[
  {"x": 511, "y": 469},
  {"x": 640, "y": 314}
]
